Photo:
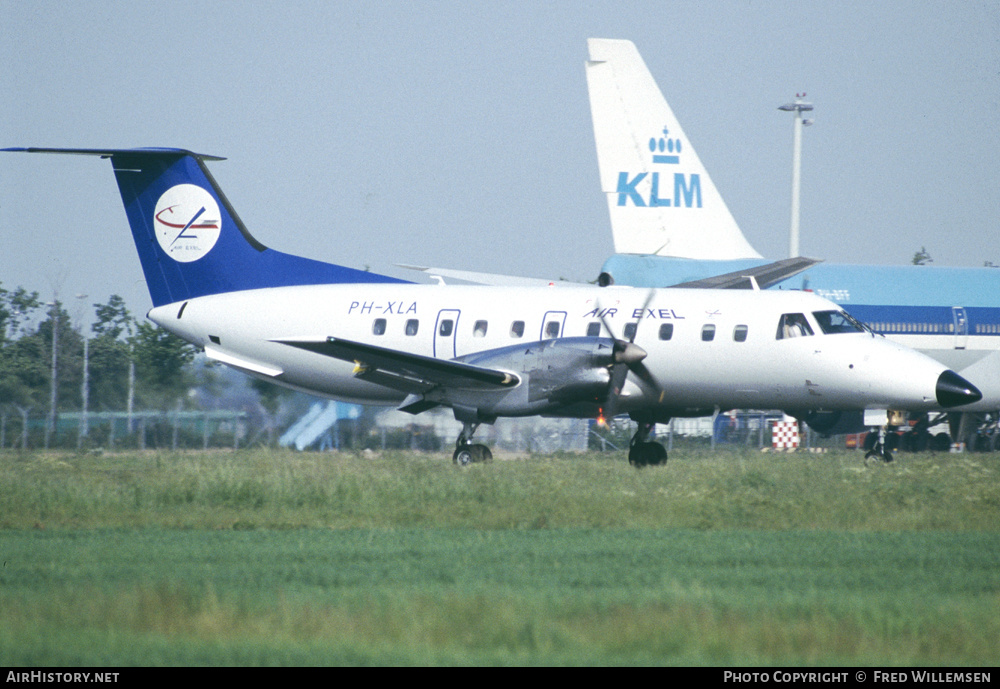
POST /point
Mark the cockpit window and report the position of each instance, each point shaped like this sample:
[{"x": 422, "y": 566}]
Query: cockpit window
[
  {"x": 793, "y": 325},
  {"x": 833, "y": 322}
]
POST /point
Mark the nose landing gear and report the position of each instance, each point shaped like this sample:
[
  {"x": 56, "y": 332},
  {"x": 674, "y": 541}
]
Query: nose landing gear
[{"x": 881, "y": 448}]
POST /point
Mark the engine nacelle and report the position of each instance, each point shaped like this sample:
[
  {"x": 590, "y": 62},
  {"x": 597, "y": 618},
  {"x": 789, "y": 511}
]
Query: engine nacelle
[
  {"x": 832, "y": 422},
  {"x": 569, "y": 371}
]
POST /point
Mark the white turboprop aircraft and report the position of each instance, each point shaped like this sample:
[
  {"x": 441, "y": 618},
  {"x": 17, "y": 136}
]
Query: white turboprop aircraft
[{"x": 487, "y": 352}]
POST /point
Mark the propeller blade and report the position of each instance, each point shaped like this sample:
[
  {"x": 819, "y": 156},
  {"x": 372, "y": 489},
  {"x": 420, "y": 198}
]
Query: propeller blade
[
  {"x": 627, "y": 356},
  {"x": 619, "y": 372},
  {"x": 645, "y": 305}
]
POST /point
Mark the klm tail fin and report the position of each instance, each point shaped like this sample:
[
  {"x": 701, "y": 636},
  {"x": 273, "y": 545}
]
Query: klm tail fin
[
  {"x": 191, "y": 242},
  {"x": 661, "y": 199}
]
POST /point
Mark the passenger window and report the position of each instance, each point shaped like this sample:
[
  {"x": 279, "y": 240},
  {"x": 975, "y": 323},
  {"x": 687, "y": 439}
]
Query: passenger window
[
  {"x": 629, "y": 331},
  {"x": 666, "y": 331},
  {"x": 446, "y": 326},
  {"x": 412, "y": 326},
  {"x": 707, "y": 332},
  {"x": 551, "y": 330},
  {"x": 378, "y": 326},
  {"x": 740, "y": 333},
  {"x": 594, "y": 329},
  {"x": 793, "y": 325},
  {"x": 479, "y": 330},
  {"x": 517, "y": 329}
]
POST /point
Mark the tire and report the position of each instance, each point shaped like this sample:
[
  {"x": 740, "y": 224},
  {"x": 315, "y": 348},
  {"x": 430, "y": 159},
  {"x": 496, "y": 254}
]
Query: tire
[
  {"x": 873, "y": 458},
  {"x": 637, "y": 455},
  {"x": 647, "y": 454},
  {"x": 472, "y": 454},
  {"x": 657, "y": 454},
  {"x": 464, "y": 455}
]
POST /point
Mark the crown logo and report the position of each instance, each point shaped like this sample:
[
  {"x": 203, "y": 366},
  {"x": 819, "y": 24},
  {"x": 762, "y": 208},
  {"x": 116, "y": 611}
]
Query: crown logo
[{"x": 659, "y": 146}]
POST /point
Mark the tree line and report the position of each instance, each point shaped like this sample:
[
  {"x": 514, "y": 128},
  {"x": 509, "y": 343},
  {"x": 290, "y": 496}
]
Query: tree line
[{"x": 45, "y": 357}]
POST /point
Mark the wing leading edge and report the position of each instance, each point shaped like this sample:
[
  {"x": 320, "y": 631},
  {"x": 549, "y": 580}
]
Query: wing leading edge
[{"x": 411, "y": 373}]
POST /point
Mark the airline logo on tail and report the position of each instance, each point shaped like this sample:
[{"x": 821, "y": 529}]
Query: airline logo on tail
[
  {"x": 661, "y": 200},
  {"x": 187, "y": 222},
  {"x": 665, "y": 150}
]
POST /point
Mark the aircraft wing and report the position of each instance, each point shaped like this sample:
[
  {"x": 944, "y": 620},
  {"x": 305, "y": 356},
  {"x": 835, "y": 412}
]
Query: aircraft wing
[
  {"x": 410, "y": 373},
  {"x": 764, "y": 276}
]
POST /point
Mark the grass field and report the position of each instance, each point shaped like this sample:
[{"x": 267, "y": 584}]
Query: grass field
[{"x": 272, "y": 558}]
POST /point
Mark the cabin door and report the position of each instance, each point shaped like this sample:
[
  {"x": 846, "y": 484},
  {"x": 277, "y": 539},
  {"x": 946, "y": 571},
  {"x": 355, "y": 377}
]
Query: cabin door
[{"x": 444, "y": 333}]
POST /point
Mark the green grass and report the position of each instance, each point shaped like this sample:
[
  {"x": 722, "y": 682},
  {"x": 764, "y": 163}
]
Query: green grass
[
  {"x": 258, "y": 558},
  {"x": 700, "y": 490}
]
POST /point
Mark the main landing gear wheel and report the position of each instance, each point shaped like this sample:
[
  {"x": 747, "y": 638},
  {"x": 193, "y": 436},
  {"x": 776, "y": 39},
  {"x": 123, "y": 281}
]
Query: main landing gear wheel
[
  {"x": 467, "y": 452},
  {"x": 647, "y": 454},
  {"x": 471, "y": 454},
  {"x": 643, "y": 452}
]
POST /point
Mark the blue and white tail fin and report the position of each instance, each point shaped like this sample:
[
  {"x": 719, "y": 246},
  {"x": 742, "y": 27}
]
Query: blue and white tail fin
[
  {"x": 191, "y": 242},
  {"x": 661, "y": 199}
]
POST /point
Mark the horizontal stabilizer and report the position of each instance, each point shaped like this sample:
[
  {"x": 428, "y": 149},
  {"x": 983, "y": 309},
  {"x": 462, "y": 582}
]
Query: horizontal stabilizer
[
  {"x": 110, "y": 152},
  {"x": 764, "y": 276}
]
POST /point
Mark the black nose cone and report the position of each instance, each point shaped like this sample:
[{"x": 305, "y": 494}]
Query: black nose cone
[{"x": 953, "y": 390}]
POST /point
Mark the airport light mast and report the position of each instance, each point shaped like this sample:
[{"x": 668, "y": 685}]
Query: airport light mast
[
  {"x": 798, "y": 107},
  {"x": 84, "y": 431}
]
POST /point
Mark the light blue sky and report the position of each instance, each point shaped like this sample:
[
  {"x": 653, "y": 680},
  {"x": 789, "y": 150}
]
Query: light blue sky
[{"x": 458, "y": 134}]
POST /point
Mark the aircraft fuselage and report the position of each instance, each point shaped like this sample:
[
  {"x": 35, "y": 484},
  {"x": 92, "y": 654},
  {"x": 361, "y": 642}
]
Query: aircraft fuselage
[{"x": 705, "y": 348}]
